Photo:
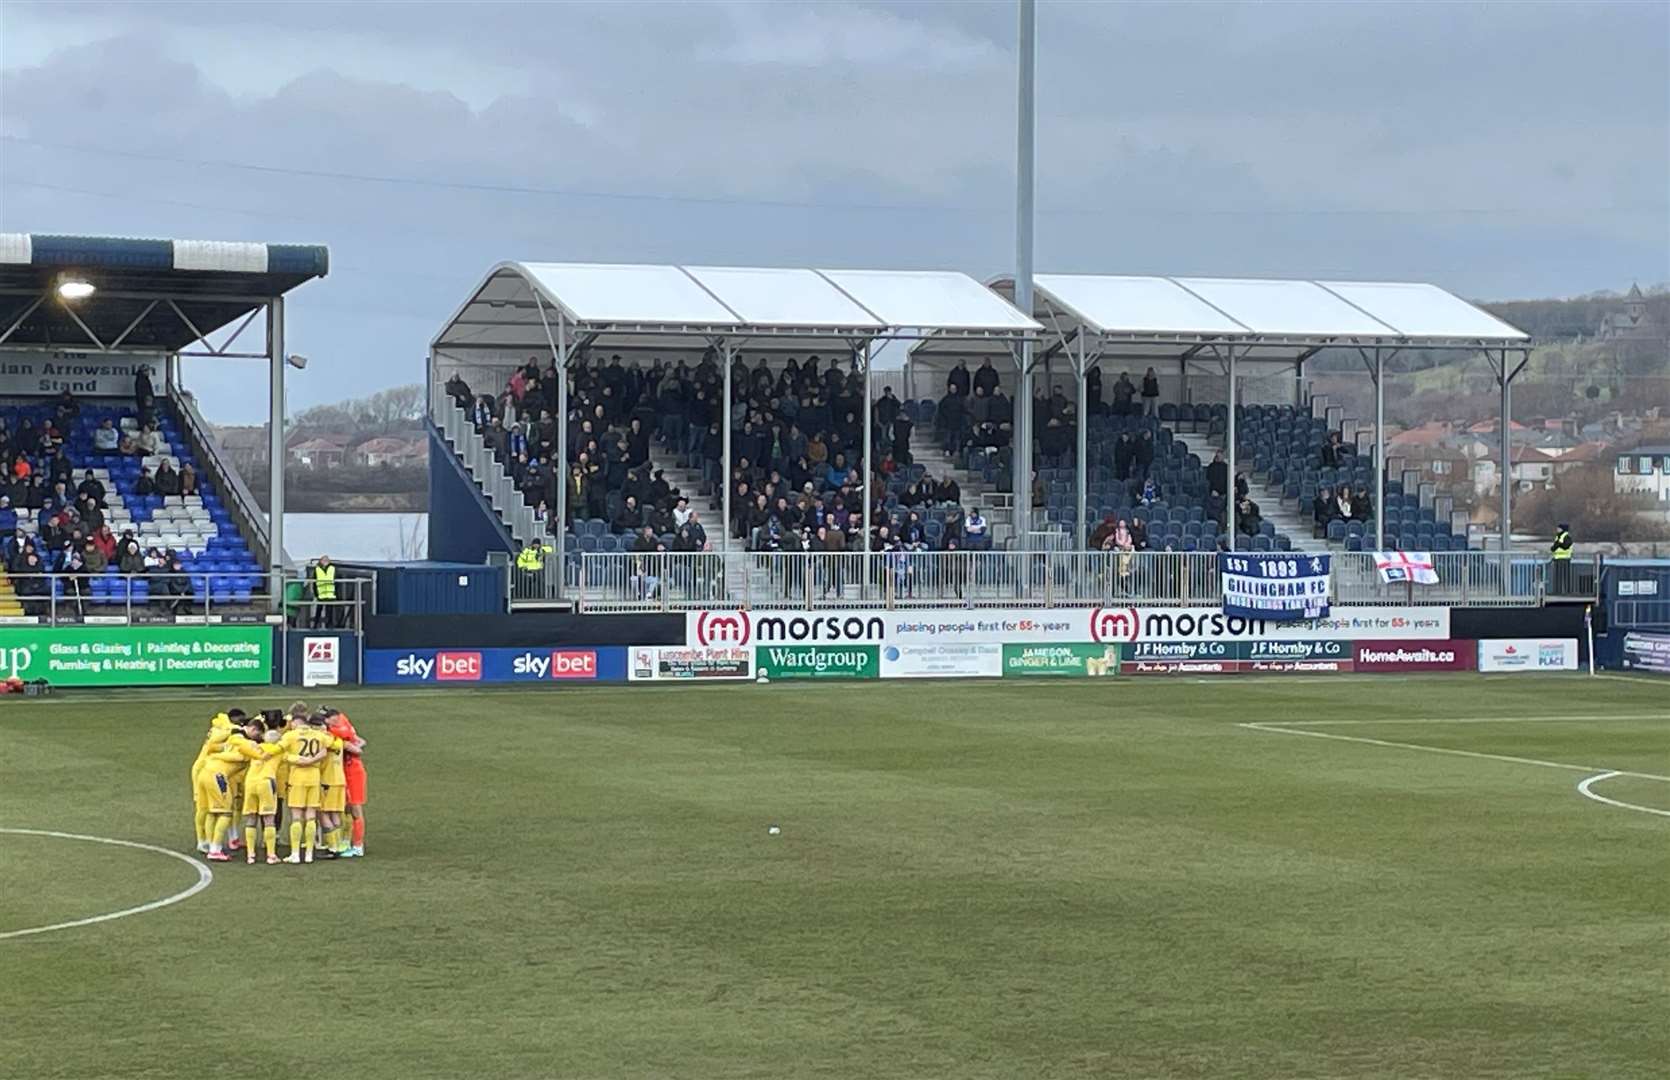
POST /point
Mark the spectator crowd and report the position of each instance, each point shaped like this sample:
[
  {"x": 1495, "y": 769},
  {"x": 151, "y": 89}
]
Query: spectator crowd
[{"x": 798, "y": 474}]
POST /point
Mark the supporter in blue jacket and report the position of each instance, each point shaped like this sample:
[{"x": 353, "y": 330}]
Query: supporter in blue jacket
[{"x": 8, "y": 517}]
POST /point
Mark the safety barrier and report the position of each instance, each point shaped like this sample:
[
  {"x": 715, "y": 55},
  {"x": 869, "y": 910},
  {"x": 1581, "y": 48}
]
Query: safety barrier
[
  {"x": 676, "y": 581},
  {"x": 69, "y": 599}
]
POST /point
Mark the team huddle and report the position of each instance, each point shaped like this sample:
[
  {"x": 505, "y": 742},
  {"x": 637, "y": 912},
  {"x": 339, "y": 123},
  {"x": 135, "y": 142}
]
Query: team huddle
[{"x": 309, "y": 761}]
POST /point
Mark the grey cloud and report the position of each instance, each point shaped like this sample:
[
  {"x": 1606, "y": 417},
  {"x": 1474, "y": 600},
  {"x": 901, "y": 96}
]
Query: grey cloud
[{"x": 1500, "y": 151}]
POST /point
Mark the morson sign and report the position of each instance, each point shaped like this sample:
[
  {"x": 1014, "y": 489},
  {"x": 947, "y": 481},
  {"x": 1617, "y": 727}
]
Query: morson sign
[{"x": 1030, "y": 626}]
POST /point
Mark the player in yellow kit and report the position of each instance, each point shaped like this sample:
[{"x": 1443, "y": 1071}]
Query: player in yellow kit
[
  {"x": 260, "y": 801},
  {"x": 304, "y": 748},
  {"x": 220, "y": 771},
  {"x": 333, "y": 787},
  {"x": 220, "y": 725}
]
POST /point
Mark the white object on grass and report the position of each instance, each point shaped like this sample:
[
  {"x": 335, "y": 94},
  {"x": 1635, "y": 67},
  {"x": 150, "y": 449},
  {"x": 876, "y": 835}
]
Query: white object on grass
[{"x": 773, "y": 830}]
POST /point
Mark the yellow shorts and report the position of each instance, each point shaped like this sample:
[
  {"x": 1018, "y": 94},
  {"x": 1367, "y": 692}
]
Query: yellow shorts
[
  {"x": 216, "y": 791},
  {"x": 333, "y": 798},
  {"x": 303, "y": 794},
  {"x": 261, "y": 797}
]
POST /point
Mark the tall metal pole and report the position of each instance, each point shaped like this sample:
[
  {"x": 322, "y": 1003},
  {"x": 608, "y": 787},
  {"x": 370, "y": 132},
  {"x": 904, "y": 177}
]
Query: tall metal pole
[
  {"x": 1379, "y": 452},
  {"x": 1506, "y": 520},
  {"x": 868, "y": 458},
  {"x": 1229, "y": 496},
  {"x": 1021, "y": 457},
  {"x": 561, "y": 359},
  {"x": 1080, "y": 473},
  {"x": 275, "y": 449},
  {"x": 725, "y": 453}
]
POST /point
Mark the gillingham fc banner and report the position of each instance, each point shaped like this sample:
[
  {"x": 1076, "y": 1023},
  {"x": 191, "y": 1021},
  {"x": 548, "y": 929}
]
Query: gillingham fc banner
[{"x": 1275, "y": 586}]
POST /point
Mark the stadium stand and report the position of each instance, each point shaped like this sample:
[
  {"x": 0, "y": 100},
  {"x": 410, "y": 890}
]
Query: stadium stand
[{"x": 75, "y": 503}]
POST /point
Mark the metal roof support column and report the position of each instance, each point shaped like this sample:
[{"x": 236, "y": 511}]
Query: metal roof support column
[
  {"x": 1505, "y": 477},
  {"x": 1298, "y": 384},
  {"x": 867, "y": 459},
  {"x": 725, "y": 453},
  {"x": 275, "y": 451},
  {"x": 1506, "y": 378},
  {"x": 561, "y": 359},
  {"x": 1229, "y": 496},
  {"x": 1379, "y": 451},
  {"x": 1082, "y": 469}
]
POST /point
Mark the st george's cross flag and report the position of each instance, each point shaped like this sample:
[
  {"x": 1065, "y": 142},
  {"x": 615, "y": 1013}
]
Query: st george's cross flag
[{"x": 1415, "y": 566}]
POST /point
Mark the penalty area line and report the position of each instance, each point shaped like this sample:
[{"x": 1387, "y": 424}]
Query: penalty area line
[
  {"x": 205, "y": 877},
  {"x": 1453, "y": 752}
]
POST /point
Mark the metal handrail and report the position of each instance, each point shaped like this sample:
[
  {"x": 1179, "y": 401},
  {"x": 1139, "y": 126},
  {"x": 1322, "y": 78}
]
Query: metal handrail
[
  {"x": 241, "y": 502},
  {"x": 75, "y": 603},
  {"x": 678, "y": 581},
  {"x": 483, "y": 467}
]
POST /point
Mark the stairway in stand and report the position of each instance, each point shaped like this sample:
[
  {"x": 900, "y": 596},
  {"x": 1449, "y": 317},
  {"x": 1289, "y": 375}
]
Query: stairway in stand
[
  {"x": 1267, "y": 496},
  {"x": 996, "y": 504},
  {"x": 688, "y": 482},
  {"x": 10, "y": 606}
]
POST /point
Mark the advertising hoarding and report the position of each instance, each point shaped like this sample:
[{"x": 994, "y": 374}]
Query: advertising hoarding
[
  {"x": 138, "y": 655},
  {"x": 1024, "y": 626},
  {"x": 659, "y": 662},
  {"x": 321, "y": 661},
  {"x": 1409, "y": 656},
  {"x": 818, "y": 661},
  {"x": 472, "y": 667},
  {"x": 1528, "y": 654},
  {"x": 1077, "y": 660},
  {"x": 942, "y": 660},
  {"x": 1646, "y": 652}
]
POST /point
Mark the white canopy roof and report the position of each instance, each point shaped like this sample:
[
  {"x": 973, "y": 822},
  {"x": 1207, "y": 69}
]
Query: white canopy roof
[
  {"x": 1403, "y": 312},
  {"x": 668, "y": 308}
]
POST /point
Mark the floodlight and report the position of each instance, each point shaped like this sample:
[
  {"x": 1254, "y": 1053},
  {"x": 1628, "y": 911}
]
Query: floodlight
[
  {"x": 74, "y": 288},
  {"x": 296, "y": 360}
]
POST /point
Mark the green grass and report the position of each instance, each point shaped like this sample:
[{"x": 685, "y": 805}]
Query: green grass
[{"x": 1035, "y": 879}]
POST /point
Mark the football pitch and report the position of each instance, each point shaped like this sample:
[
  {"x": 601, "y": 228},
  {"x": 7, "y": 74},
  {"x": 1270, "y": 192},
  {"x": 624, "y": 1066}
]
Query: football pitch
[{"x": 1385, "y": 877}]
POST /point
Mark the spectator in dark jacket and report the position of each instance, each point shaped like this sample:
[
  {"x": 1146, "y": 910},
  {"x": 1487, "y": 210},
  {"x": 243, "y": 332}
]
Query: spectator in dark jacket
[
  {"x": 91, "y": 488},
  {"x": 1217, "y": 475},
  {"x": 30, "y": 582}
]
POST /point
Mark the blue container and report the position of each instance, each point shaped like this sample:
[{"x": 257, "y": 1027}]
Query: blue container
[
  {"x": 435, "y": 588},
  {"x": 1636, "y": 593}
]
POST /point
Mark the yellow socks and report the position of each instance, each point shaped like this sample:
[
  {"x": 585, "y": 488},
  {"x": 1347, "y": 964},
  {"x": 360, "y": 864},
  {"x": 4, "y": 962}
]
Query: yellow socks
[
  {"x": 202, "y": 816},
  {"x": 217, "y": 834},
  {"x": 295, "y": 837},
  {"x": 269, "y": 836},
  {"x": 249, "y": 840},
  {"x": 311, "y": 835}
]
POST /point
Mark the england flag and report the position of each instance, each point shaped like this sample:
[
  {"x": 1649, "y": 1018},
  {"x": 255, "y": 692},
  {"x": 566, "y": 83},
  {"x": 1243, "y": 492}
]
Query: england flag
[{"x": 1397, "y": 566}]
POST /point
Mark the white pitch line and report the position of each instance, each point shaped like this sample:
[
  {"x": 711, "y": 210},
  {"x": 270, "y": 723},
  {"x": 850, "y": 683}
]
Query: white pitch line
[
  {"x": 1451, "y": 751},
  {"x": 204, "y": 878},
  {"x": 1584, "y": 789},
  {"x": 1480, "y": 720}
]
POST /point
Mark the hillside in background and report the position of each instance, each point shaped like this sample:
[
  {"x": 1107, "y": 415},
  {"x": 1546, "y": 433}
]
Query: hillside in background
[{"x": 364, "y": 454}]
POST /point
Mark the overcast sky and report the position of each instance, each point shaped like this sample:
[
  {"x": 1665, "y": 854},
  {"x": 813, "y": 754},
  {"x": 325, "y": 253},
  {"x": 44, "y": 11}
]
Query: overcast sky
[{"x": 1501, "y": 150}]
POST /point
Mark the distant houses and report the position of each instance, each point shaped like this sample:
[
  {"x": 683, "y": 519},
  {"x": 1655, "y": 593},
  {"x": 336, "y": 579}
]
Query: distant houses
[{"x": 312, "y": 449}]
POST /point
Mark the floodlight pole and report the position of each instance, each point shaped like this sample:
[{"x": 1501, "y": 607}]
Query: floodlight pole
[
  {"x": 1229, "y": 496},
  {"x": 1021, "y": 455},
  {"x": 275, "y": 451},
  {"x": 1379, "y": 451},
  {"x": 867, "y": 457},
  {"x": 725, "y": 453}
]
